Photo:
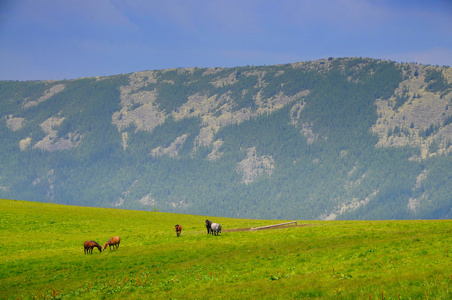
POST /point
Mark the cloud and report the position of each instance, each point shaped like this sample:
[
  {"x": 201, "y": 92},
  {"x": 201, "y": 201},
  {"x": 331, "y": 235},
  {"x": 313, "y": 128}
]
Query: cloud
[
  {"x": 255, "y": 57},
  {"x": 227, "y": 17},
  {"x": 93, "y": 37},
  {"x": 334, "y": 14},
  {"x": 61, "y": 13},
  {"x": 433, "y": 56}
]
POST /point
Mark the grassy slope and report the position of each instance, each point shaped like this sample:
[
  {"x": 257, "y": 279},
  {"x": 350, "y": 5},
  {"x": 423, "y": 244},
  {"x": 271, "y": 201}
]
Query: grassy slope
[{"x": 41, "y": 255}]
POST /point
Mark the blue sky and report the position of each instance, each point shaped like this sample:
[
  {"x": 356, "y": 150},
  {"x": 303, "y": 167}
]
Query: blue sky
[{"x": 66, "y": 39}]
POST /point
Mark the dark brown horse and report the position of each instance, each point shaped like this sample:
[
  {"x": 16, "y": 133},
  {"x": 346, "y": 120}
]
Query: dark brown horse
[
  {"x": 114, "y": 241},
  {"x": 178, "y": 229},
  {"x": 208, "y": 226},
  {"x": 89, "y": 245}
]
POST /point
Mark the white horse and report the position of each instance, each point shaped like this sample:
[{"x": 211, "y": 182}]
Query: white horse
[{"x": 215, "y": 228}]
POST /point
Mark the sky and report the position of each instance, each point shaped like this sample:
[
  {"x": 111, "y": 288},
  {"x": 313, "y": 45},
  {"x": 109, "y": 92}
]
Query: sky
[{"x": 69, "y": 39}]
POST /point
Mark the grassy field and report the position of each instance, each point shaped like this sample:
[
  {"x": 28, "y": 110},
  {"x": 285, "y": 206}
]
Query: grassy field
[{"x": 41, "y": 256}]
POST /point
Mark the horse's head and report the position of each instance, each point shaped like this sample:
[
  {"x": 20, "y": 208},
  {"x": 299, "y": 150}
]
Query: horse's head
[
  {"x": 105, "y": 246},
  {"x": 98, "y": 247}
]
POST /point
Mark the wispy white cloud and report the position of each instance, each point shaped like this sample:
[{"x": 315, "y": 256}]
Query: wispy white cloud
[
  {"x": 93, "y": 37},
  {"x": 62, "y": 13},
  {"x": 232, "y": 16},
  {"x": 340, "y": 14},
  {"x": 256, "y": 57},
  {"x": 434, "y": 56}
]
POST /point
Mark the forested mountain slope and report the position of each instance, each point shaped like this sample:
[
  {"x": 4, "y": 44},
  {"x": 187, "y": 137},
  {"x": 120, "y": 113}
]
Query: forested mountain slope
[{"x": 348, "y": 138}]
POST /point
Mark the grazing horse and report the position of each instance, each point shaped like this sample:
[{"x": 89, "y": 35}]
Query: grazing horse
[
  {"x": 208, "y": 226},
  {"x": 215, "y": 228},
  {"x": 89, "y": 245},
  {"x": 178, "y": 229},
  {"x": 114, "y": 241}
]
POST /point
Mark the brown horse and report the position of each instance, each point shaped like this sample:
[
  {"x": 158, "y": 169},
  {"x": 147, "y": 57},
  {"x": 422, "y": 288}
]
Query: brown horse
[
  {"x": 89, "y": 245},
  {"x": 178, "y": 229},
  {"x": 208, "y": 226},
  {"x": 114, "y": 241}
]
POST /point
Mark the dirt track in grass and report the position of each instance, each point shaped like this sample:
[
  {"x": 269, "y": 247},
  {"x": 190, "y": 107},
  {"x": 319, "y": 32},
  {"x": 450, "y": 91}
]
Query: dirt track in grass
[{"x": 266, "y": 228}]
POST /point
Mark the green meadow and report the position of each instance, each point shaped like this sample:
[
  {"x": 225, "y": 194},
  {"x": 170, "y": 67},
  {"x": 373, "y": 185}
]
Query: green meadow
[{"x": 42, "y": 257}]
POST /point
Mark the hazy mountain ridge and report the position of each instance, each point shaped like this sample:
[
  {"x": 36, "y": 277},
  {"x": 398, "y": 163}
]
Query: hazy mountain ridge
[{"x": 333, "y": 138}]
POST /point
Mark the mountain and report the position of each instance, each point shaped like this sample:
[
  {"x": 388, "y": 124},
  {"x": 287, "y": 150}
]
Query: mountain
[{"x": 337, "y": 138}]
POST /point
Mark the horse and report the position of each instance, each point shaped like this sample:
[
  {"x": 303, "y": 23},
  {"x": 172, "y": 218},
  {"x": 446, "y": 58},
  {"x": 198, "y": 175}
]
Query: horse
[
  {"x": 178, "y": 229},
  {"x": 215, "y": 228},
  {"x": 89, "y": 245},
  {"x": 114, "y": 241},
  {"x": 208, "y": 226}
]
